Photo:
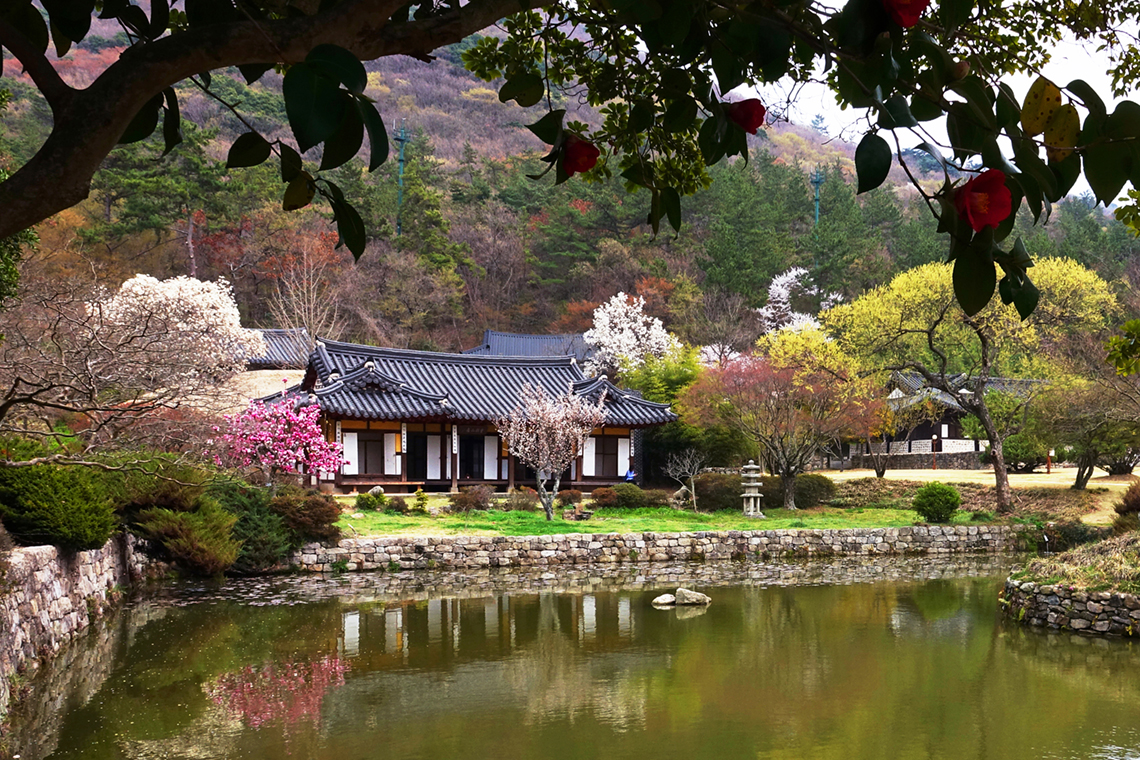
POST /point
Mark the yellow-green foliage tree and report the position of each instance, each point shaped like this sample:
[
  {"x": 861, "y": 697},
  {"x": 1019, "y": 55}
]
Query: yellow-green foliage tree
[{"x": 913, "y": 323}]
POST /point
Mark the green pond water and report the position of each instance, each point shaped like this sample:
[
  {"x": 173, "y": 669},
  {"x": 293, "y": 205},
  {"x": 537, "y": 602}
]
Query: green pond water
[{"x": 899, "y": 658}]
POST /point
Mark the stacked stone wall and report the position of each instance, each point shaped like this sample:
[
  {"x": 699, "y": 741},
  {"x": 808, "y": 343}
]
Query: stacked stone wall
[
  {"x": 1062, "y": 608},
  {"x": 48, "y": 597},
  {"x": 410, "y": 553}
]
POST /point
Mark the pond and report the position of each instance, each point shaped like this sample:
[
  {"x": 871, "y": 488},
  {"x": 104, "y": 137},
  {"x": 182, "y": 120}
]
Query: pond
[{"x": 856, "y": 658}]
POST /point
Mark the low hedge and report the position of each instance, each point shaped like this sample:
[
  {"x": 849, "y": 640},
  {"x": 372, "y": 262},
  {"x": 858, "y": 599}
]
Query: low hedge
[
  {"x": 69, "y": 507},
  {"x": 718, "y": 491}
]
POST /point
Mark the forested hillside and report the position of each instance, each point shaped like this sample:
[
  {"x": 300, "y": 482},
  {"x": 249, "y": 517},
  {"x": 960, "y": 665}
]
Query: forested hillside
[{"x": 480, "y": 244}]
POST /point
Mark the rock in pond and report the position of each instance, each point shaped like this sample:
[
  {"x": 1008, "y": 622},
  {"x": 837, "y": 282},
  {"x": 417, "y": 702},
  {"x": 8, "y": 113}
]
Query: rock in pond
[
  {"x": 665, "y": 600},
  {"x": 685, "y": 596}
]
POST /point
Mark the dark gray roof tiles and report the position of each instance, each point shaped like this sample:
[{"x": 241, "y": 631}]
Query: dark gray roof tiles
[
  {"x": 497, "y": 343},
  {"x": 284, "y": 349},
  {"x": 914, "y": 386},
  {"x": 472, "y": 387}
]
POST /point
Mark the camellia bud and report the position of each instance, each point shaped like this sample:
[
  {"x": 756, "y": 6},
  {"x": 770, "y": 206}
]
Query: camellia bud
[
  {"x": 749, "y": 114},
  {"x": 960, "y": 70},
  {"x": 580, "y": 156}
]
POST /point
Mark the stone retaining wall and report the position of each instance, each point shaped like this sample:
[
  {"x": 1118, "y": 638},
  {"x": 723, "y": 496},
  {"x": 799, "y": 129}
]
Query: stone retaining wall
[
  {"x": 409, "y": 553},
  {"x": 48, "y": 597},
  {"x": 953, "y": 460},
  {"x": 1063, "y": 608}
]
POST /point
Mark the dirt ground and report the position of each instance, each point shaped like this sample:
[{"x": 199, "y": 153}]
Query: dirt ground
[{"x": 1103, "y": 489}]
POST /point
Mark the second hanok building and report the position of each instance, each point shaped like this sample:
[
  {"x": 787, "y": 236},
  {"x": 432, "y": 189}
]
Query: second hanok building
[{"x": 421, "y": 419}]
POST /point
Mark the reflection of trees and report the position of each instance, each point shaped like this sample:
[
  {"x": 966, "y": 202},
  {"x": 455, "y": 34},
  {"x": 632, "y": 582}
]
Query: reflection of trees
[{"x": 290, "y": 691}]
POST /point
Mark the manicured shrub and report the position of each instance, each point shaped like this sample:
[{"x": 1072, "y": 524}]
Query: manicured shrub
[
  {"x": 936, "y": 502},
  {"x": 65, "y": 506},
  {"x": 604, "y": 497},
  {"x": 309, "y": 515},
  {"x": 265, "y": 540},
  {"x": 813, "y": 489},
  {"x": 568, "y": 497},
  {"x": 420, "y": 505},
  {"x": 629, "y": 496},
  {"x": 717, "y": 491},
  {"x": 397, "y": 505},
  {"x": 365, "y": 502},
  {"x": 521, "y": 499},
  {"x": 200, "y": 542},
  {"x": 657, "y": 497},
  {"x": 1129, "y": 504},
  {"x": 470, "y": 498}
]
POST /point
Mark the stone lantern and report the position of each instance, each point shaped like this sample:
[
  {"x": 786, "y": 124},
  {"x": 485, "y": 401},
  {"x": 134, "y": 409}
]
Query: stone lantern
[{"x": 750, "y": 477}]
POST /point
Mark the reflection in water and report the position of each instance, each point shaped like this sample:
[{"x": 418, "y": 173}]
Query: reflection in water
[{"x": 580, "y": 665}]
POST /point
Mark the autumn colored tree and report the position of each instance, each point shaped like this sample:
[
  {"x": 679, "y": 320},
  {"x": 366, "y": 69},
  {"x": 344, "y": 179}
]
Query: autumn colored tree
[{"x": 791, "y": 402}]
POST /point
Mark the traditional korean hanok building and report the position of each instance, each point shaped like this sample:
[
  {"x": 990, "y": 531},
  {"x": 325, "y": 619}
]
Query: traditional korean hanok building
[
  {"x": 497, "y": 343},
  {"x": 412, "y": 419}
]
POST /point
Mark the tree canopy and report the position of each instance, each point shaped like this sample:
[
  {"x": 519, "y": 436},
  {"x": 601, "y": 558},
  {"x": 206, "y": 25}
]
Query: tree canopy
[{"x": 660, "y": 73}]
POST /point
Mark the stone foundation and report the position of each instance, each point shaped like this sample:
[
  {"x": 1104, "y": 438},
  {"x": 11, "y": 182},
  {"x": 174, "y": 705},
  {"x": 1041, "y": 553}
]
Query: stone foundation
[
  {"x": 1061, "y": 608},
  {"x": 954, "y": 460},
  {"x": 411, "y": 553},
  {"x": 48, "y": 597}
]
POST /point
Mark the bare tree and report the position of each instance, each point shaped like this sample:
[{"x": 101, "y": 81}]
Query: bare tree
[
  {"x": 546, "y": 433},
  {"x": 683, "y": 467},
  {"x": 305, "y": 301}
]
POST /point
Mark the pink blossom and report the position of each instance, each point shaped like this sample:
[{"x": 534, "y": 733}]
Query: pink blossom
[{"x": 280, "y": 439}]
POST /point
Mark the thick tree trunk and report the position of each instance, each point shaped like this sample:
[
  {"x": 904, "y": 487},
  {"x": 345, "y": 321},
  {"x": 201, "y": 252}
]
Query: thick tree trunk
[
  {"x": 1085, "y": 467},
  {"x": 789, "y": 482},
  {"x": 1001, "y": 476},
  {"x": 546, "y": 498}
]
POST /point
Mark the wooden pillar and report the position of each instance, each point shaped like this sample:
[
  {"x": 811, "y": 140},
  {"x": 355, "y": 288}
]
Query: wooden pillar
[
  {"x": 454, "y": 448},
  {"x": 510, "y": 472},
  {"x": 403, "y": 451}
]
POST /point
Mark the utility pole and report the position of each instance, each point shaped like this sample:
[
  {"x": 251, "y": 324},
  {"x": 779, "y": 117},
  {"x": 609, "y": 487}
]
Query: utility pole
[{"x": 402, "y": 139}]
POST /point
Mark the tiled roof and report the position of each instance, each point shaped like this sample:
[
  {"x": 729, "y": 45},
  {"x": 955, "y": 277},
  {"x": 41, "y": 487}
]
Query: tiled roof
[
  {"x": 365, "y": 382},
  {"x": 915, "y": 389},
  {"x": 497, "y": 343},
  {"x": 284, "y": 349}
]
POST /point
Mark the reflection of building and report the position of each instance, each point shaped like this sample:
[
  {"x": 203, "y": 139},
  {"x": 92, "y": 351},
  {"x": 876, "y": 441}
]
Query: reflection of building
[{"x": 410, "y": 419}]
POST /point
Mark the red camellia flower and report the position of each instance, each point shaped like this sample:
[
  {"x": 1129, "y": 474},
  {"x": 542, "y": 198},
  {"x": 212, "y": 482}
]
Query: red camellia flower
[
  {"x": 581, "y": 155},
  {"x": 749, "y": 114},
  {"x": 905, "y": 13},
  {"x": 985, "y": 201}
]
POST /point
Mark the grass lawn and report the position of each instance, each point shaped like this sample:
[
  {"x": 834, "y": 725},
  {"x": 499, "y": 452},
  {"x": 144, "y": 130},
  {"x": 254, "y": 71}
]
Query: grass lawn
[{"x": 496, "y": 523}]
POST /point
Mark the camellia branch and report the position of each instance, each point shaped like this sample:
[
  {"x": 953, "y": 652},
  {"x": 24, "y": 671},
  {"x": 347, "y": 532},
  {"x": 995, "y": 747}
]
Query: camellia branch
[{"x": 57, "y": 92}]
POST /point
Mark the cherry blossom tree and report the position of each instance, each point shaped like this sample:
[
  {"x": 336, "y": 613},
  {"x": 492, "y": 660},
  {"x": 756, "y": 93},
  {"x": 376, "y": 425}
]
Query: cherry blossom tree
[
  {"x": 547, "y": 432},
  {"x": 624, "y": 336},
  {"x": 277, "y": 438},
  {"x": 90, "y": 370},
  {"x": 779, "y": 314}
]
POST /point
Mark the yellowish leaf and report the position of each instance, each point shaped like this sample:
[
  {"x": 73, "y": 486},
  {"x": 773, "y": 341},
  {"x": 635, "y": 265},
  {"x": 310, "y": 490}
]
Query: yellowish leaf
[
  {"x": 1061, "y": 132},
  {"x": 1041, "y": 103}
]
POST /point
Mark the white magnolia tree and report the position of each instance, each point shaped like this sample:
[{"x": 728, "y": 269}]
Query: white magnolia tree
[
  {"x": 624, "y": 336},
  {"x": 546, "y": 433},
  {"x": 93, "y": 370}
]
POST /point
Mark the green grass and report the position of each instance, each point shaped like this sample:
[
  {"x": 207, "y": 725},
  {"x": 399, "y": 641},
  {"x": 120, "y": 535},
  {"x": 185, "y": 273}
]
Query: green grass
[
  {"x": 1110, "y": 564},
  {"x": 663, "y": 520}
]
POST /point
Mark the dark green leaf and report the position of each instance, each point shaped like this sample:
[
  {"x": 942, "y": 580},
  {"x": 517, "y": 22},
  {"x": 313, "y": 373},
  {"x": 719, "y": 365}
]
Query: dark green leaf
[
  {"x": 249, "y": 149},
  {"x": 62, "y": 43},
  {"x": 896, "y": 114},
  {"x": 671, "y": 203},
  {"x": 675, "y": 83},
  {"x": 290, "y": 162},
  {"x": 171, "y": 122},
  {"x": 1026, "y": 298},
  {"x": 641, "y": 116},
  {"x": 314, "y": 104},
  {"x": 1066, "y": 172},
  {"x": 707, "y": 140},
  {"x": 339, "y": 65},
  {"x": 31, "y": 24},
  {"x": 206, "y": 12},
  {"x": 675, "y": 22},
  {"x": 1107, "y": 168},
  {"x": 965, "y": 135},
  {"x": 525, "y": 89},
  {"x": 350, "y": 227},
  {"x": 159, "y": 19},
  {"x": 300, "y": 192},
  {"x": 142, "y": 126},
  {"x": 974, "y": 280},
  {"x": 1008, "y": 109},
  {"x": 1088, "y": 97},
  {"x": 72, "y": 18},
  {"x": 680, "y": 115},
  {"x": 980, "y": 100},
  {"x": 993, "y": 158},
  {"x": 872, "y": 162},
  {"x": 345, "y": 142},
  {"x": 925, "y": 107},
  {"x": 251, "y": 72},
  {"x": 1025, "y": 154},
  {"x": 377, "y": 134},
  {"x": 549, "y": 127}
]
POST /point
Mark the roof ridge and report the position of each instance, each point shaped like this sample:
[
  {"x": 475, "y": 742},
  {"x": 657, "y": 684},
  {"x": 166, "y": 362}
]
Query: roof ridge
[{"x": 442, "y": 357}]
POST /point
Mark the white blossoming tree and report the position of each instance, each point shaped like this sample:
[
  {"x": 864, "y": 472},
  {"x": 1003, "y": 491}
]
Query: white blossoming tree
[
  {"x": 94, "y": 371},
  {"x": 779, "y": 314},
  {"x": 547, "y": 432},
  {"x": 624, "y": 336}
]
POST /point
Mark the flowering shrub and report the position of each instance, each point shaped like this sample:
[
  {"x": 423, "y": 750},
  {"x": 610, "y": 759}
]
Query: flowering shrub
[
  {"x": 278, "y": 438},
  {"x": 624, "y": 336},
  {"x": 985, "y": 201},
  {"x": 749, "y": 114},
  {"x": 291, "y": 692}
]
